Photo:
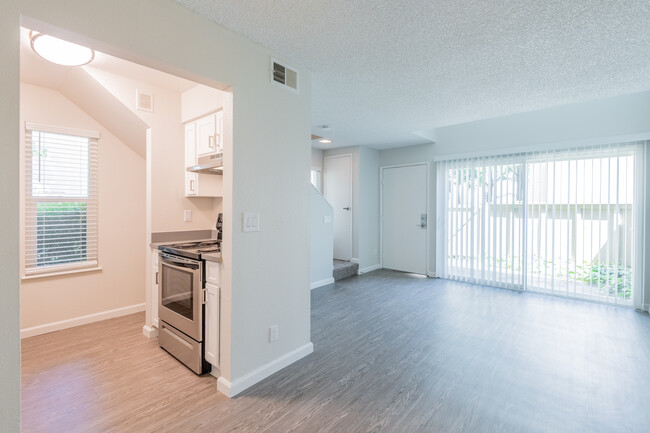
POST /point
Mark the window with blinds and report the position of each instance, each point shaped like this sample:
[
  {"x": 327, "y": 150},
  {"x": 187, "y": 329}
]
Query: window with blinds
[
  {"x": 60, "y": 199},
  {"x": 561, "y": 222}
]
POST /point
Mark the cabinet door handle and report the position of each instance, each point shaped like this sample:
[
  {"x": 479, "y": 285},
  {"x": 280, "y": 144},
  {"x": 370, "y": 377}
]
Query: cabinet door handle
[
  {"x": 211, "y": 140},
  {"x": 192, "y": 185},
  {"x": 156, "y": 277},
  {"x": 217, "y": 140}
]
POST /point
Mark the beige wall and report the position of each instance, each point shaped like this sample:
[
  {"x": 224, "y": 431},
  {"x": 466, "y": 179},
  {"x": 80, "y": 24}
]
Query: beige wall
[
  {"x": 199, "y": 101},
  {"x": 168, "y": 199},
  {"x": 121, "y": 224}
]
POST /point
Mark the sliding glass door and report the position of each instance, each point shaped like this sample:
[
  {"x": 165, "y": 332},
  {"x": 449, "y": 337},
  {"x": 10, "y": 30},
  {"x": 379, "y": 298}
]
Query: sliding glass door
[
  {"x": 560, "y": 222},
  {"x": 484, "y": 221}
]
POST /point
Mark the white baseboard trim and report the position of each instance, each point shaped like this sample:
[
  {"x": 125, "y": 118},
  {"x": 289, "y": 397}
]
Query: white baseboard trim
[
  {"x": 353, "y": 260},
  {"x": 231, "y": 389},
  {"x": 321, "y": 283},
  {"x": 150, "y": 331},
  {"x": 431, "y": 274},
  {"x": 224, "y": 387},
  {"x": 83, "y": 320},
  {"x": 369, "y": 269}
]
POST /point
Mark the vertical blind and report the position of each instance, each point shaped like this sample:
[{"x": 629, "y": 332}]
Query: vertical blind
[
  {"x": 60, "y": 199},
  {"x": 565, "y": 222}
]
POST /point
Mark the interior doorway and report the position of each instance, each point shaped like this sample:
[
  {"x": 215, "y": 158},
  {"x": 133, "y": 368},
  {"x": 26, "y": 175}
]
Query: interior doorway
[
  {"x": 337, "y": 189},
  {"x": 404, "y": 218}
]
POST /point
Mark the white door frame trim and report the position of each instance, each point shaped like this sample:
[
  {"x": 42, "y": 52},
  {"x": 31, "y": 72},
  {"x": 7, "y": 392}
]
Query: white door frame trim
[
  {"x": 381, "y": 209},
  {"x": 347, "y": 155}
]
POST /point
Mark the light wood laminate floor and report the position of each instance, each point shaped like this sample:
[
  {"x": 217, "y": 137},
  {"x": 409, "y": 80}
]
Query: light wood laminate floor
[{"x": 393, "y": 352}]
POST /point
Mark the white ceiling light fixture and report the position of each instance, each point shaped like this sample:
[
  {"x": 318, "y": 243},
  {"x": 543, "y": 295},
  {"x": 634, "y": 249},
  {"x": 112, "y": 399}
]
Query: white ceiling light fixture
[
  {"x": 59, "y": 51},
  {"x": 324, "y": 141}
]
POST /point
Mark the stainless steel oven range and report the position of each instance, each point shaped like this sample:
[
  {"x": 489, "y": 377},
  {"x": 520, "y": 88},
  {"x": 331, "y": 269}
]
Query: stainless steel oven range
[{"x": 181, "y": 309}]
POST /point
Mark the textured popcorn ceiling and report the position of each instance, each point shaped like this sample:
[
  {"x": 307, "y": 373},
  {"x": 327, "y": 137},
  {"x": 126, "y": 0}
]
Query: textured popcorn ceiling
[{"x": 382, "y": 69}]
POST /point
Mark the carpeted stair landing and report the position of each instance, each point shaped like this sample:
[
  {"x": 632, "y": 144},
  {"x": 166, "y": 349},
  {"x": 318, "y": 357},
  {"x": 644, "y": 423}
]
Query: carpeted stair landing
[{"x": 344, "y": 269}]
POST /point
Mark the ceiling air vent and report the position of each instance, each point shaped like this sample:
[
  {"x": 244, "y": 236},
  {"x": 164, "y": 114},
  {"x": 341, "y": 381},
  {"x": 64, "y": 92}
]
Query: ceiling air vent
[{"x": 284, "y": 75}]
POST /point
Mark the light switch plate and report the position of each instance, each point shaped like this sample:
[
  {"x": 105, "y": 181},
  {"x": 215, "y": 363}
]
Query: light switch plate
[
  {"x": 187, "y": 216},
  {"x": 327, "y": 219},
  {"x": 251, "y": 222}
]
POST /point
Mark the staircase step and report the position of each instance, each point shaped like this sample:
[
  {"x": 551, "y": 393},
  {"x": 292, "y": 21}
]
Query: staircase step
[{"x": 343, "y": 269}]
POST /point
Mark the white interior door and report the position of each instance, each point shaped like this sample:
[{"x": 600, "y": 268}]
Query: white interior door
[
  {"x": 404, "y": 218},
  {"x": 337, "y": 189}
]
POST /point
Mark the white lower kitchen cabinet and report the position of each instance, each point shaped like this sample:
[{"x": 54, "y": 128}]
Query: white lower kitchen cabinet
[
  {"x": 154, "y": 286},
  {"x": 212, "y": 312}
]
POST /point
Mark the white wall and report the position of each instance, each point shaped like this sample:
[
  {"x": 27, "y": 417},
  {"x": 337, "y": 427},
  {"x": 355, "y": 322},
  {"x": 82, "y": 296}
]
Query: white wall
[
  {"x": 368, "y": 226},
  {"x": 121, "y": 215},
  {"x": 9, "y": 223},
  {"x": 317, "y": 158},
  {"x": 415, "y": 154},
  {"x": 608, "y": 120},
  {"x": 322, "y": 241},
  {"x": 260, "y": 288}
]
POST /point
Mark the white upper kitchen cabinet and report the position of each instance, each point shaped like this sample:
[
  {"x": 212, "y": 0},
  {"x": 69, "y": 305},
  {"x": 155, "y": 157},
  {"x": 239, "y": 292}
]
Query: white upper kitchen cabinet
[
  {"x": 200, "y": 185},
  {"x": 209, "y": 134}
]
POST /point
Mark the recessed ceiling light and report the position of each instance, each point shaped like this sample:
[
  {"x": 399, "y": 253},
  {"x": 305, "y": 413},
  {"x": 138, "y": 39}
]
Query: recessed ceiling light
[
  {"x": 59, "y": 51},
  {"x": 324, "y": 141}
]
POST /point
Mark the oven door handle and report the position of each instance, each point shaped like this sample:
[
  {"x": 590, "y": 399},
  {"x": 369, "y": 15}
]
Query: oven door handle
[{"x": 179, "y": 263}]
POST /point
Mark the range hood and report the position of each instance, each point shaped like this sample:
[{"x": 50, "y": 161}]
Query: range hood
[{"x": 209, "y": 164}]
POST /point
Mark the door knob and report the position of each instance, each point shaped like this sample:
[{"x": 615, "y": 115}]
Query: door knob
[{"x": 346, "y": 208}]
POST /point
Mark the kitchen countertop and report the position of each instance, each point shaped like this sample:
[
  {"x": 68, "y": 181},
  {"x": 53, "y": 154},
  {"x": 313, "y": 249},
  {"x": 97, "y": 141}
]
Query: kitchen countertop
[
  {"x": 212, "y": 257},
  {"x": 167, "y": 238},
  {"x": 155, "y": 245}
]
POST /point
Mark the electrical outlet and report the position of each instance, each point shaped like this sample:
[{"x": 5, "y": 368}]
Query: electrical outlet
[
  {"x": 273, "y": 333},
  {"x": 187, "y": 216}
]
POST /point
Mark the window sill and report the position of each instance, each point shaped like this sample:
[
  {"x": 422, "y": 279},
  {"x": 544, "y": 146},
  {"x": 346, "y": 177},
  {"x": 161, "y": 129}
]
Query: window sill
[{"x": 58, "y": 273}]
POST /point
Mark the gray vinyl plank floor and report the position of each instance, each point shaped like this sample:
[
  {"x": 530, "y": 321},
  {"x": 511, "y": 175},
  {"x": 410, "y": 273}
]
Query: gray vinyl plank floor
[{"x": 397, "y": 352}]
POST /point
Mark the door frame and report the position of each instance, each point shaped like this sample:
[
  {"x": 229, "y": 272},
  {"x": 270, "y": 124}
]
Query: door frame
[
  {"x": 428, "y": 207},
  {"x": 352, "y": 209}
]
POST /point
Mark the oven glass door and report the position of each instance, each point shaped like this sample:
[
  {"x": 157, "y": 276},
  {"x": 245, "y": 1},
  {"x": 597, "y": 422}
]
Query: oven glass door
[{"x": 180, "y": 290}]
